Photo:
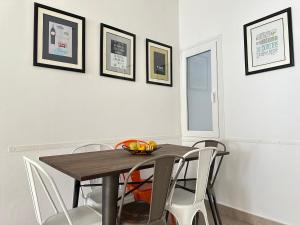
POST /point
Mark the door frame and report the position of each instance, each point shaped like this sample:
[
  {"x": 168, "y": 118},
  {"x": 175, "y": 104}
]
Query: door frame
[{"x": 215, "y": 46}]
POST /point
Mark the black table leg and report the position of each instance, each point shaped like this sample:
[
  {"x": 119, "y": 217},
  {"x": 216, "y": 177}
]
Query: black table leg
[
  {"x": 76, "y": 193},
  {"x": 110, "y": 185}
]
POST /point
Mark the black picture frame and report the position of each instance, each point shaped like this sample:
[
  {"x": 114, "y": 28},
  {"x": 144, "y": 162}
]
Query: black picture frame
[
  {"x": 54, "y": 64},
  {"x": 291, "y": 62},
  {"x": 148, "y": 66},
  {"x": 103, "y": 71}
]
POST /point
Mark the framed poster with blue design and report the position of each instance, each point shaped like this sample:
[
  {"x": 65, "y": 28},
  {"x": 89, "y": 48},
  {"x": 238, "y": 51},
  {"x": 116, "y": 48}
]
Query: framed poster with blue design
[
  {"x": 117, "y": 52},
  {"x": 59, "y": 39},
  {"x": 268, "y": 43},
  {"x": 158, "y": 63}
]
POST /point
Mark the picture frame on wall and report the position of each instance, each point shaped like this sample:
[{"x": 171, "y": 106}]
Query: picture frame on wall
[
  {"x": 59, "y": 39},
  {"x": 117, "y": 53},
  {"x": 268, "y": 43},
  {"x": 158, "y": 63}
]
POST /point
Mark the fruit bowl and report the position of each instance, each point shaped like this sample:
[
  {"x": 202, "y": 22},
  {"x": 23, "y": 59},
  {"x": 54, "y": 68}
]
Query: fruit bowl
[
  {"x": 138, "y": 147},
  {"x": 139, "y": 152}
]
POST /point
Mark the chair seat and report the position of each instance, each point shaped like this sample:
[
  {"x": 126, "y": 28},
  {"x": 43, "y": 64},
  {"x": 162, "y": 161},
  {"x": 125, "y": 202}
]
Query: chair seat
[
  {"x": 83, "y": 215},
  {"x": 182, "y": 197},
  {"x": 94, "y": 199},
  {"x": 135, "y": 213}
]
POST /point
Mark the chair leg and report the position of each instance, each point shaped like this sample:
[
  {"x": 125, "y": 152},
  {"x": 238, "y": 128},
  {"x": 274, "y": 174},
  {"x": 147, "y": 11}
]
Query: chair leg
[
  {"x": 212, "y": 206},
  {"x": 204, "y": 212},
  {"x": 206, "y": 218},
  {"x": 173, "y": 220},
  {"x": 194, "y": 221},
  {"x": 216, "y": 208},
  {"x": 170, "y": 217},
  {"x": 167, "y": 216},
  {"x": 196, "y": 218}
]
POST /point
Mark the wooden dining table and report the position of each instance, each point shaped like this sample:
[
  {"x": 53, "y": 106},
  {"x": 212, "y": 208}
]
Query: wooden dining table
[{"x": 107, "y": 165}]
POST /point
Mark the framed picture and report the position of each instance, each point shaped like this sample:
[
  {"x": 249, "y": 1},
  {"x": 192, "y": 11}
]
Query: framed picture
[
  {"x": 158, "y": 63},
  {"x": 59, "y": 39},
  {"x": 117, "y": 52},
  {"x": 268, "y": 43}
]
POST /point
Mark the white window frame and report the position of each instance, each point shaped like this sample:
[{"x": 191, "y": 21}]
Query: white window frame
[{"x": 214, "y": 47}]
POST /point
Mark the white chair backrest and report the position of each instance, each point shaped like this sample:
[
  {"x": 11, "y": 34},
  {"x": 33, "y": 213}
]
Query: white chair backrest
[
  {"x": 35, "y": 170},
  {"x": 221, "y": 147},
  {"x": 93, "y": 148},
  {"x": 205, "y": 158}
]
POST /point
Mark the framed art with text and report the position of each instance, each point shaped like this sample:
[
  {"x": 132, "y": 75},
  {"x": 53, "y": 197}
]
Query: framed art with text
[
  {"x": 117, "y": 52},
  {"x": 158, "y": 63},
  {"x": 268, "y": 43},
  {"x": 59, "y": 39}
]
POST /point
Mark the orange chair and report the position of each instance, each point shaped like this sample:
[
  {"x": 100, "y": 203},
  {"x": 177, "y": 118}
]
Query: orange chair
[{"x": 143, "y": 193}]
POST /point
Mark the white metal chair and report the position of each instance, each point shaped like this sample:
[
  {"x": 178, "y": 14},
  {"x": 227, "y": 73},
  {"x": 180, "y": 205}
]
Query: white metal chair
[
  {"x": 183, "y": 204},
  {"x": 83, "y": 215},
  {"x": 93, "y": 197}
]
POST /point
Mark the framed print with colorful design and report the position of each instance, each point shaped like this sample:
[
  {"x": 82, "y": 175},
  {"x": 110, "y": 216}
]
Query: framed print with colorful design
[
  {"x": 158, "y": 63},
  {"x": 59, "y": 39},
  {"x": 117, "y": 52},
  {"x": 268, "y": 43}
]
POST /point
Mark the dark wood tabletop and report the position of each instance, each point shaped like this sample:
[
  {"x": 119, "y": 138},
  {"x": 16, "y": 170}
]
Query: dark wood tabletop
[{"x": 91, "y": 165}]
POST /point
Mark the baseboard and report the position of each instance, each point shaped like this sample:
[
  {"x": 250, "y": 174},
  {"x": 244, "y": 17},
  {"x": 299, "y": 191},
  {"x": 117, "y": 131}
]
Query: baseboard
[{"x": 245, "y": 216}]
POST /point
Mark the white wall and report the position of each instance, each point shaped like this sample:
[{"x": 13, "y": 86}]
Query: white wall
[
  {"x": 261, "y": 175},
  {"x": 43, "y": 106}
]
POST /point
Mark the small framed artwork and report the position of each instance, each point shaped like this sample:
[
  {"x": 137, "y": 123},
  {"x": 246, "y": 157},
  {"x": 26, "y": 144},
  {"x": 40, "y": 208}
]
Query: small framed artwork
[
  {"x": 268, "y": 43},
  {"x": 158, "y": 63},
  {"x": 117, "y": 52},
  {"x": 59, "y": 39}
]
